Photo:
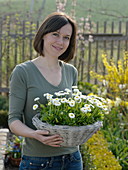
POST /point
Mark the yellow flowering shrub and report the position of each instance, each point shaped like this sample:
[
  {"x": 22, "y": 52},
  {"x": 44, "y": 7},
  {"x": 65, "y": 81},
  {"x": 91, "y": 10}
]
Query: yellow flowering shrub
[
  {"x": 116, "y": 77},
  {"x": 101, "y": 157}
]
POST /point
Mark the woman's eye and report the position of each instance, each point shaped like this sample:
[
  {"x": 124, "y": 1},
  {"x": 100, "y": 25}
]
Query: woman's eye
[
  {"x": 67, "y": 38},
  {"x": 55, "y": 34}
]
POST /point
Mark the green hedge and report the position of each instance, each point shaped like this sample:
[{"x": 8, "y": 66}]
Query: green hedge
[
  {"x": 4, "y": 104},
  {"x": 3, "y": 119},
  {"x": 96, "y": 154}
]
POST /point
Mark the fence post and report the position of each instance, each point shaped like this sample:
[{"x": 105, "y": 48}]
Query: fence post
[
  {"x": 112, "y": 42},
  {"x": 126, "y": 43},
  {"x": 118, "y": 51}
]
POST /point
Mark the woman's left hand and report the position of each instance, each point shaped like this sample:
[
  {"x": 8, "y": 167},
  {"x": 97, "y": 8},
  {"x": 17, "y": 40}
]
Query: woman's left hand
[{"x": 52, "y": 140}]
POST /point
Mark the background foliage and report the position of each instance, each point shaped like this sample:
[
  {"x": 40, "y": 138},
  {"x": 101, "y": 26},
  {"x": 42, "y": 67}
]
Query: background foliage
[{"x": 38, "y": 9}]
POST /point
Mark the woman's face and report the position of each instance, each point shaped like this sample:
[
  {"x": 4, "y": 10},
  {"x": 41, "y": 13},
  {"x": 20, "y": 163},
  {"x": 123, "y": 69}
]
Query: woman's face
[{"x": 56, "y": 43}]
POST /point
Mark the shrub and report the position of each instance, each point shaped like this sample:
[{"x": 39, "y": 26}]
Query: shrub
[
  {"x": 4, "y": 118},
  {"x": 3, "y": 103},
  {"x": 86, "y": 157},
  {"x": 115, "y": 88},
  {"x": 116, "y": 78},
  {"x": 101, "y": 157},
  {"x": 87, "y": 88},
  {"x": 117, "y": 135}
]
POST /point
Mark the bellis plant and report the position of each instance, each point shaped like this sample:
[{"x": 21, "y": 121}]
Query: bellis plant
[{"x": 71, "y": 108}]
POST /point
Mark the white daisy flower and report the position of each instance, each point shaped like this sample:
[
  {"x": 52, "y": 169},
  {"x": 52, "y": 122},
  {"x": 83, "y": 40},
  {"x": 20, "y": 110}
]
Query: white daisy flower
[
  {"x": 79, "y": 93},
  {"x": 77, "y": 98},
  {"x": 102, "y": 99},
  {"x": 67, "y": 90},
  {"x": 87, "y": 105},
  {"x": 79, "y": 101},
  {"x": 84, "y": 110},
  {"x": 89, "y": 109},
  {"x": 74, "y": 87},
  {"x": 57, "y": 93},
  {"x": 63, "y": 100},
  {"x": 55, "y": 102},
  {"x": 71, "y": 115},
  {"x": 69, "y": 99},
  {"x": 105, "y": 108},
  {"x": 49, "y": 103},
  {"x": 60, "y": 93},
  {"x": 73, "y": 94},
  {"x": 48, "y": 96},
  {"x": 66, "y": 93},
  {"x": 71, "y": 103},
  {"x": 99, "y": 104},
  {"x": 36, "y": 99},
  {"x": 57, "y": 99},
  {"x": 93, "y": 100},
  {"x": 76, "y": 90},
  {"x": 35, "y": 106}
]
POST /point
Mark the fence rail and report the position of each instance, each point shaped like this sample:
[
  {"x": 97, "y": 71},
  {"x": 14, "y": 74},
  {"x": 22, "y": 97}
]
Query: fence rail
[{"x": 16, "y": 46}]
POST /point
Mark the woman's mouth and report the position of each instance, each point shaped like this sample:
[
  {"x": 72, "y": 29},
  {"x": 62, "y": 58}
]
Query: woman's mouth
[{"x": 57, "y": 48}]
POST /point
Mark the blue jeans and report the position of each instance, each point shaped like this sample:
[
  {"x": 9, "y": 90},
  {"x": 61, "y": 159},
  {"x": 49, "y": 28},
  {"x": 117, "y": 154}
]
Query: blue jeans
[{"x": 64, "y": 162}]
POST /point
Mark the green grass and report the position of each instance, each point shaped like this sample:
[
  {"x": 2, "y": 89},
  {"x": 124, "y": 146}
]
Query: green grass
[{"x": 96, "y": 8}]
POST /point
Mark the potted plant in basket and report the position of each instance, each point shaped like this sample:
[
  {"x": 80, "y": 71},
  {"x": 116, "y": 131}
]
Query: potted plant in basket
[
  {"x": 76, "y": 117},
  {"x": 13, "y": 150}
]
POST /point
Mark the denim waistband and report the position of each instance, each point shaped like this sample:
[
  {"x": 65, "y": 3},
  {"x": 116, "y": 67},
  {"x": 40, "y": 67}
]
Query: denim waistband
[{"x": 57, "y": 158}]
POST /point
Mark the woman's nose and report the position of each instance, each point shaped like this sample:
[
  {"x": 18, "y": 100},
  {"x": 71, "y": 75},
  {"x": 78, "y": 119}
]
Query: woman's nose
[{"x": 60, "y": 40}]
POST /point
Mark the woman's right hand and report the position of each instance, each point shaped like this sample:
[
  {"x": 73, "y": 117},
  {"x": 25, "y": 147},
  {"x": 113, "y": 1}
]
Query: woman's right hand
[
  {"x": 40, "y": 135},
  {"x": 51, "y": 140}
]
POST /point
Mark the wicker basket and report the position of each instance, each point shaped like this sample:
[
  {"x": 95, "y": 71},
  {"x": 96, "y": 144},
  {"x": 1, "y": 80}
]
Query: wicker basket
[{"x": 72, "y": 135}]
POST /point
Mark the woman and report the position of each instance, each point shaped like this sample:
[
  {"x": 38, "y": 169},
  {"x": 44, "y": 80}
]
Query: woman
[{"x": 55, "y": 43}]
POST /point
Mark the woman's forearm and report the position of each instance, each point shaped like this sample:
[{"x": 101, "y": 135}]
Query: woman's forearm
[
  {"x": 21, "y": 129},
  {"x": 18, "y": 128}
]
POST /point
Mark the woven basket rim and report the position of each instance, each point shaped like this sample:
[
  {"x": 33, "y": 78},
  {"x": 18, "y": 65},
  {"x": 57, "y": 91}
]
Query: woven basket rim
[
  {"x": 98, "y": 123},
  {"x": 72, "y": 135}
]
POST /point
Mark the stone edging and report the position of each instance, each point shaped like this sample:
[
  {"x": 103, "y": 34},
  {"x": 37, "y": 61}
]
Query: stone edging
[{"x": 3, "y": 140}]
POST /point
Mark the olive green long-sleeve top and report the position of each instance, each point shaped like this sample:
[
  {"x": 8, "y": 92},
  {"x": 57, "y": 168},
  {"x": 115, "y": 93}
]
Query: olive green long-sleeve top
[{"x": 27, "y": 83}]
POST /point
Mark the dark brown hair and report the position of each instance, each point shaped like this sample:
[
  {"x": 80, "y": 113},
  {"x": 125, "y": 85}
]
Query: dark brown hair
[{"x": 52, "y": 23}]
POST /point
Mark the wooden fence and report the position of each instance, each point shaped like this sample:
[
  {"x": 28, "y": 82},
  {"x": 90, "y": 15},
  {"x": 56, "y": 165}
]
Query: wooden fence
[{"x": 16, "y": 46}]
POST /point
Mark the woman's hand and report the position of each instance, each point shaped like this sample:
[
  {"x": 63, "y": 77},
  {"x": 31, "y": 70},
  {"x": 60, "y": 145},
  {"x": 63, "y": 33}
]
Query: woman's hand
[
  {"x": 51, "y": 140},
  {"x": 40, "y": 135}
]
